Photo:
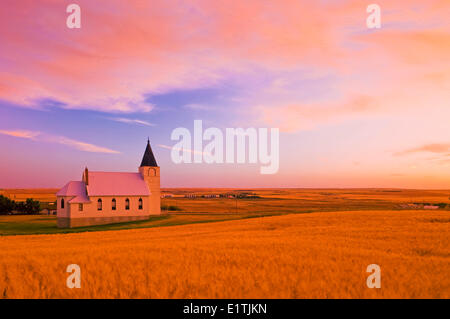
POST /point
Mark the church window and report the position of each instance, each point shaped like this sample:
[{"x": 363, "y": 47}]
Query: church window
[
  {"x": 99, "y": 204},
  {"x": 127, "y": 204}
]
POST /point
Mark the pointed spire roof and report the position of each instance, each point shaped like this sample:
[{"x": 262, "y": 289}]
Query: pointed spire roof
[{"x": 149, "y": 158}]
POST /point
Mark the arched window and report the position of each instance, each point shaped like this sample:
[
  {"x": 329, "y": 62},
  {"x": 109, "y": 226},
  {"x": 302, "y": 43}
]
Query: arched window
[
  {"x": 62, "y": 202},
  {"x": 113, "y": 204},
  {"x": 151, "y": 172},
  {"x": 127, "y": 204},
  {"x": 140, "y": 203},
  {"x": 99, "y": 204}
]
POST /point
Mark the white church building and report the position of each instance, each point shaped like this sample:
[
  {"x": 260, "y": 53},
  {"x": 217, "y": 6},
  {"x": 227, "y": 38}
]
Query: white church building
[{"x": 111, "y": 197}]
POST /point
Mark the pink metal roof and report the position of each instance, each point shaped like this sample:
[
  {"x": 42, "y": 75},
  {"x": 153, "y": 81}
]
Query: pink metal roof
[
  {"x": 116, "y": 184},
  {"x": 74, "y": 189}
]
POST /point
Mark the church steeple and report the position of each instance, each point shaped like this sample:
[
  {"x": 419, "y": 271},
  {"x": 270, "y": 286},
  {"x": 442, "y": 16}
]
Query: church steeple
[
  {"x": 149, "y": 158},
  {"x": 149, "y": 171}
]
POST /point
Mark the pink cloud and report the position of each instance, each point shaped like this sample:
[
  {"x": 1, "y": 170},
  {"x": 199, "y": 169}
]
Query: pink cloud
[
  {"x": 86, "y": 147},
  {"x": 21, "y": 133},
  {"x": 127, "y": 49},
  {"x": 183, "y": 149},
  {"x": 291, "y": 118},
  {"x": 49, "y": 138},
  {"x": 430, "y": 148},
  {"x": 131, "y": 121}
]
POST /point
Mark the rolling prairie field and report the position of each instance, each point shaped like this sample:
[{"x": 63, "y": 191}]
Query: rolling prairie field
[
  {"x": 316, "y": 255},
  {"x": 202, "y": 209}
]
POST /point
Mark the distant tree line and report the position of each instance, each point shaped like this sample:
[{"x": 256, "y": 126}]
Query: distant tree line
[
  {"x": 7, "y": 206},
  {"x": 170, "y": 207}
]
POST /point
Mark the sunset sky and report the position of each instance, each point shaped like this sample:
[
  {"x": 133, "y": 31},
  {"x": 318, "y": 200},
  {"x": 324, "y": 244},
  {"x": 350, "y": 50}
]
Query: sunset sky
[{"x": 356, "y": 107}]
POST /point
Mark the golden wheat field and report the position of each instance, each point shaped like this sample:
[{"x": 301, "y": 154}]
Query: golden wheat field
[{"x": 317, "y": 255}]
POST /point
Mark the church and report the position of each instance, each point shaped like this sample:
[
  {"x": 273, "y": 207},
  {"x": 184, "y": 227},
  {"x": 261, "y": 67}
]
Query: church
[{"x": 111, "y": 197}]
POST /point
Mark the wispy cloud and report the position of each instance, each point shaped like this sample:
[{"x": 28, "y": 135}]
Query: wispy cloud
[
  {"x": 440, "y": 151},
  {"x": 199, "y": 107},
  {"x": 130, "y": 121},
  {"x": 428, "y": 148},
  {"x": 398, "y": 175},
  {"x": 298, "y": 117},
  {"x": 21, "y": 134},
  {"x": 86, "y": 147},
  {"x": 183, "y": 149},
  {"x": 49, "y": 138}
]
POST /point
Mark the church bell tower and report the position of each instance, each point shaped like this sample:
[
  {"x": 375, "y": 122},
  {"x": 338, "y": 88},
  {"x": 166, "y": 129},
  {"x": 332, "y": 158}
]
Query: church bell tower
[{"x": 149, "y": 171}]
